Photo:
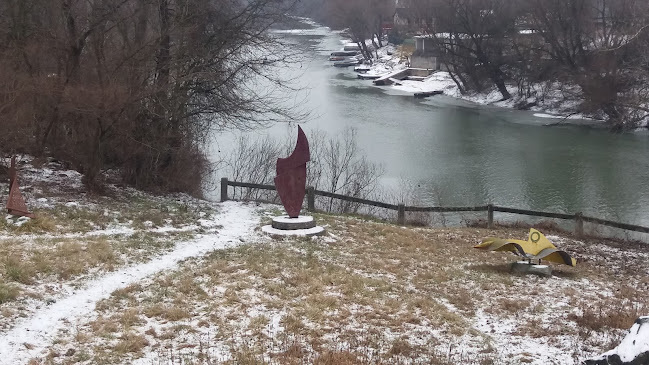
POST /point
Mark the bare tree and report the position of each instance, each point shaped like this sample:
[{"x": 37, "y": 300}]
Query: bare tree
[
  {"x": 600, "y": 46},
  {"x": 138, "y": 84},
  {"x": 347, "y": 171},
  {"x": 363, "y": 19}
]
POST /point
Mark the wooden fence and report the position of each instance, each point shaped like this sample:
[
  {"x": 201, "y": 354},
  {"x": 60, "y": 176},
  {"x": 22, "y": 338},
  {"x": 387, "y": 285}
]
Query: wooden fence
[{"x": 401, "y": 209}]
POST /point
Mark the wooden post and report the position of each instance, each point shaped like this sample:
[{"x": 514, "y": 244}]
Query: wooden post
[
  {"x": 224, "y": 189},
  {"x": 579, "y": 224},
  {"x": 490, "y": 216},
  {"x": 310, "y": 198},
  {"x": 401, "y": 214}
]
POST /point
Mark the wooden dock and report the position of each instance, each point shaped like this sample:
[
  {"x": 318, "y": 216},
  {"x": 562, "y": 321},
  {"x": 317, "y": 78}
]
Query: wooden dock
[
  {"x": 368, "y": 77},
  {"x": 389, "y": 78},
  {"x": 417, "y": 74}
]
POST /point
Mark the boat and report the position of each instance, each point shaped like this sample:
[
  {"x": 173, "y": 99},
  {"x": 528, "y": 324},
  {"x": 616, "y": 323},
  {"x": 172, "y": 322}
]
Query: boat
[
  {"x": 368, "y": 77},
  {"x": 347, "y": 63},
  {"x": 337, "y": 58},
  {"x": 362, "y": 69},
  {"x": 351, "y": 47},
  {"x": 426, "y": 94},
  {"x": 344, "y": 53}
]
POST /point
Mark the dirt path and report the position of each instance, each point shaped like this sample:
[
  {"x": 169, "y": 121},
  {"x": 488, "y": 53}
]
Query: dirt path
[{"x": 32, "y": 336}]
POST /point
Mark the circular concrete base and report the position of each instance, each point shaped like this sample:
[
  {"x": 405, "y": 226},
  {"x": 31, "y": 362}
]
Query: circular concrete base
[
  {"x": 313, "y": 231},
  {"x": 285, "y": 222},
  {"x": 526, "y": 268}
]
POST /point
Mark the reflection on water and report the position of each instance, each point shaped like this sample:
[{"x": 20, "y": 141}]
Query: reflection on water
[{"x": 458, "y": 153}]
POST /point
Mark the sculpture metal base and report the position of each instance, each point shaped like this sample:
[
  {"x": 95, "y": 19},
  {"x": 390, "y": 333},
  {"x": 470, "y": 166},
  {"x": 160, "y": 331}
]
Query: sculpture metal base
[
  {"x": 303, "y": 225},
  {"x": 525, "y": 268}
]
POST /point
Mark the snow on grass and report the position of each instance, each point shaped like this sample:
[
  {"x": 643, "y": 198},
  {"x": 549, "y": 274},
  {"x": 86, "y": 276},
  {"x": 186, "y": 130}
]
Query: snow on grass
[
  {"x": 369, "y": 292},
  {"x": 66, "y": 245},
  {"x": 31, "y": 336},
  {"x": 136, "y": 279}
]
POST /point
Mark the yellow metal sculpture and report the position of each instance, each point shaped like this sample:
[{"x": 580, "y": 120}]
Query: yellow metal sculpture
[{"x": 537, "y": 247}]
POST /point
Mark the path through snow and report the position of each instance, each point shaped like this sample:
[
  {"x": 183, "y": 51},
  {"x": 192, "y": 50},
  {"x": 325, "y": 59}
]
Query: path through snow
[{"x": 39, "y": 330}]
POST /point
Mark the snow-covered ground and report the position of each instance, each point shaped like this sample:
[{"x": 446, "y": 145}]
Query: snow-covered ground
[
  {"x": 367, "y": 290},
  {"x": 31, "y": 337}
]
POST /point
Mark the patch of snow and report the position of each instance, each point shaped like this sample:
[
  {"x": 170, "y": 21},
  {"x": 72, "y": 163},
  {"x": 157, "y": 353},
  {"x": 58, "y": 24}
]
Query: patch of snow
[
  {"x": 293, "y": 232},
  {"x": 635, "y": 343},
  {"x": 437, "y": 81},
  {"x": 509, "y": 345},
  {"x": 16, "y": 221},
  {"x": 554, "y": 116}
]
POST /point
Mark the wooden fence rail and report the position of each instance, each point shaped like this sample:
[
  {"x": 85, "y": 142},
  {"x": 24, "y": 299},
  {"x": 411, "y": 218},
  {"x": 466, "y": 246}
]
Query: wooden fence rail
[{"x": 401, "y": 209}]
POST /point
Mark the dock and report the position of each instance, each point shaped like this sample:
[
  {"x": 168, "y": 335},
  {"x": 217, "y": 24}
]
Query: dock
[
  {"x": 387, "y": 79},
  {"x": 409, "y": 73},
  {"x": 368, "y": 77}
]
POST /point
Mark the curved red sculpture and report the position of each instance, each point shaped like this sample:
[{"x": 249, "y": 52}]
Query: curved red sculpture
[{"x": 290, "y": 181}]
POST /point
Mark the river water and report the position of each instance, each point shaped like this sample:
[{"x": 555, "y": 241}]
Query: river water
[{"x": 459, "y": 153}]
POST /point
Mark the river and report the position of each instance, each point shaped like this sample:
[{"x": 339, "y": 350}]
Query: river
[{"x": 459, "y": 153}]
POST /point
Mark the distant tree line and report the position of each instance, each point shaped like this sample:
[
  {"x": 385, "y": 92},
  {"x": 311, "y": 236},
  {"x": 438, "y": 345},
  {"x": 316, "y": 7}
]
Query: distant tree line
[
  {"x": 135, "y": 85},
  {"x": 591, "y": 50},
  {"x": 363, "y": 20}
]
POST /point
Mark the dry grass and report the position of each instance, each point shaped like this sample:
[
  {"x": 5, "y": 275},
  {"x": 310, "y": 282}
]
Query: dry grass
[
  {"x": 63, "y": 258},
  {"x": 8, "y": 292},
  {"x": 130, "y": 343},
  {"x": 47, "y": 259},
  {"x": 373, "y": 293},
  {"x": 68, "y": 243}
]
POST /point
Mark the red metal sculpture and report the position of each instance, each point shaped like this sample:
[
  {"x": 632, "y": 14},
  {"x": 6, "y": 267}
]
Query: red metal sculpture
[
  {"x": 290, "y": 181},
  {"x": 16, "y": 203}
]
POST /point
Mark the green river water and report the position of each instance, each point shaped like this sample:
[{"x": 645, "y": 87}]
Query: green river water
[{"x": 460, "y": 154}]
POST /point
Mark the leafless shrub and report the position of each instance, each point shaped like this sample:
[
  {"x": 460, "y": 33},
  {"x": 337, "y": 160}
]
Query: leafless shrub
[
  {"x": 253, "y": 162},
  {"x": 337, "y": 165},
  {"x": 346, "y": 171}
]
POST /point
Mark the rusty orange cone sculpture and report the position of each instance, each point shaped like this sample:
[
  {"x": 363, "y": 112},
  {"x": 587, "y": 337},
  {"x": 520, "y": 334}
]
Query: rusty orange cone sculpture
[
  {"x": 16, "y": 203},
  {"x": 290, "y": 181}
]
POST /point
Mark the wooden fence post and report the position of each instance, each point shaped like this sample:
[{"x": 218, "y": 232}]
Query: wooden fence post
[
  {"x": 579, "y": 224},
  {"x": 224, "y": 189},
  {"x": 310, "y": 198},
  {"x": 401, "y": 214},
  {"x": 490, "y": 216}
]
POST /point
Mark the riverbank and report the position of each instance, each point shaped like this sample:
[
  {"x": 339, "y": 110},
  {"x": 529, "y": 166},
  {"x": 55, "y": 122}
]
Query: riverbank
[
  {"x": 128, "y": 277},
  {"x": 545, "y": 101}
]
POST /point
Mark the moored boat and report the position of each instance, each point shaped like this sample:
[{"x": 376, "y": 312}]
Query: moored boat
[
  {"x": 344, "y": 53},
  {"x": 347, "y": 63}
]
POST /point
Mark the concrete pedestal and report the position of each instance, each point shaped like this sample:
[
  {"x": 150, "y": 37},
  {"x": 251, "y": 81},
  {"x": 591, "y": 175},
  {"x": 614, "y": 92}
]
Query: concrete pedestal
[
  {"x": 285, "y": 222},
  {"x": 303, "y": 225},
  {"x": 525, "y": 268}
]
